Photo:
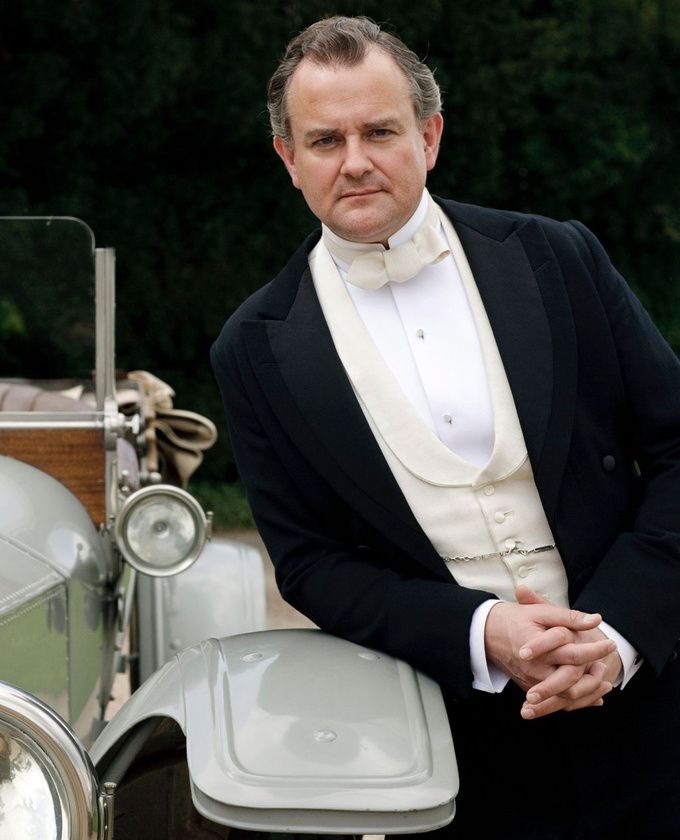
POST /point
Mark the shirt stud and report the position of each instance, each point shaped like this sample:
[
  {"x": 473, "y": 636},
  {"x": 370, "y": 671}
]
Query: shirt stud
[
  {"x": 420, "y": 333},
  {"x": 448, "y": 418}
]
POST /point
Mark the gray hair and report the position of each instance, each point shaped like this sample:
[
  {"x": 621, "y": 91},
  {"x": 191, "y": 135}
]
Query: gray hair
[{"x": 344, "y": 41}]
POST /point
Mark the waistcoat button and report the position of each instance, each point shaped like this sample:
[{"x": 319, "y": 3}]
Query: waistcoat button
[{"x": 608, "y": 463}]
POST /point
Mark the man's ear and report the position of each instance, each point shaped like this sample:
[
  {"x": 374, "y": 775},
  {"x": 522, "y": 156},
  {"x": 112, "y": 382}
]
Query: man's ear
[
  {"x": 287, "y": 154},
  {"x": 432, "y": 134}
]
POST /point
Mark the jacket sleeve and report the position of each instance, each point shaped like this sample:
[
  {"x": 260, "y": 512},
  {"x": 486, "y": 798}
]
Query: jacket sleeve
[
  {"x": 636, "y": 585},
  {"x": 362, "y": 592}
]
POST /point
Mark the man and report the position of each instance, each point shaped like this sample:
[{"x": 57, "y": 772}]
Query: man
[{"x": 460, "y": 436}]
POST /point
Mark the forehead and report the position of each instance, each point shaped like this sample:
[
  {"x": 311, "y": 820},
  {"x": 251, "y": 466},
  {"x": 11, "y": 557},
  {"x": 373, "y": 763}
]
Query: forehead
[{"x": 375, "y": 88}]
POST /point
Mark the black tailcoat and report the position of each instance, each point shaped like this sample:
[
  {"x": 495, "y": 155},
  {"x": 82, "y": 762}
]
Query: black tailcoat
[{"x": 597, "y": 392}]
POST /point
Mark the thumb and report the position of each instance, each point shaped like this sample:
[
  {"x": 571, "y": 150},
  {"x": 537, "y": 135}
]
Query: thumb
[{"x": 525, "y": 595}]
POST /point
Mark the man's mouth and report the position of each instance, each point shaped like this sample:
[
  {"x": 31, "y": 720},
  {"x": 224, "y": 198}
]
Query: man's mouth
[{"x": 360, "y": 193}]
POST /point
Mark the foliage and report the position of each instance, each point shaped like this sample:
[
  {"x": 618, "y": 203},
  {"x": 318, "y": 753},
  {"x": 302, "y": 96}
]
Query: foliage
[
  {"x": 47, "y": 311},
  {"x": 227, "y": 501},
  {"x": 146, "y": 118}
]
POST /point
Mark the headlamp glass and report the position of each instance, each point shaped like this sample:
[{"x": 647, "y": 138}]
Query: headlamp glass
[
  {"x": 31, "y": 797},
  {"x": 161, "y": 530},
  {"x": 48, "y": 790}
]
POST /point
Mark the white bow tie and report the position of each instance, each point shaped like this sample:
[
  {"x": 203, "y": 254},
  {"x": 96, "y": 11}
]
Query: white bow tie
[{"x": 372, "y": 268}]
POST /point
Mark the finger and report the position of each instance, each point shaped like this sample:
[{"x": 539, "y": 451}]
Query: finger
[
  {"x": 562, "y": 703},
  {"x": 567, "y": 648},
  {"x": 531, "y": 711},
  {"x": 589, "y": 684},
  {"x": 583, "y": 621},
  {"x": 556, "y": 704},
  {"x": 596, "y": 699},
  {"x": 526, "y": 679},
  {"x": 560, "y": 681},
  {"x": 525, "y": 595},
  {"x": 581, "y": 653},
  {"x": 568, "y": 682},
  {"x": 552, "y": 616},
  {"x": 546, "y": 641},
  {"x": 595, "y": 676}
]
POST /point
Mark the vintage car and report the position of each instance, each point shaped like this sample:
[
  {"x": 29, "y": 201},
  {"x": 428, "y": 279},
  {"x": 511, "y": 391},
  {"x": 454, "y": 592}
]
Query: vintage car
[{"x": 233, "y": 728}]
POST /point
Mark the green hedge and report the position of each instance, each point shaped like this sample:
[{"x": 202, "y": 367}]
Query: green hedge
[{"x": 147, "y": 120}]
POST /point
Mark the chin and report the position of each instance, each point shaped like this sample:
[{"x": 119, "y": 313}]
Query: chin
[{"x": 368, "y": 229}]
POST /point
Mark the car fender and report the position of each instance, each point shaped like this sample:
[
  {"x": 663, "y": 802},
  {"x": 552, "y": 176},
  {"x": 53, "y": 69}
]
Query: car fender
[{"x": 301, "y": 731}]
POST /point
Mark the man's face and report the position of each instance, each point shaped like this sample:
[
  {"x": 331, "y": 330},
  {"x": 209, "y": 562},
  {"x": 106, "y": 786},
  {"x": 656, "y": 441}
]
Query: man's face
[{"x": 357, "y": 152}]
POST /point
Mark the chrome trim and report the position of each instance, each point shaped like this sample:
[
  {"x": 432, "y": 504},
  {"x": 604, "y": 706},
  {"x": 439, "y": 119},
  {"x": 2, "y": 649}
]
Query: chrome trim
[
  {"x": 46, "y": 422},
  {"x": 109, "y": 421},
  {"x": 106, "y": 810},
  {"x": 105, "y": 271},
  {"x": 52, "y": 735},
  {"x": 126, "y": 599}
]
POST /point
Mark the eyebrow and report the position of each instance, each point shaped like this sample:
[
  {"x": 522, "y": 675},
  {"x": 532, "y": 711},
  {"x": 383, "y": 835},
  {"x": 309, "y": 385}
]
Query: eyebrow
[
  {"x": 372, "y": 125},
  {"x": 317, "y": 133}
]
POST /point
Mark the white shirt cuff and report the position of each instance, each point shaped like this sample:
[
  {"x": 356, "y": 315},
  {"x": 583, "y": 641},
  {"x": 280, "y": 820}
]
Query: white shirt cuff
[
  {"x": 630, "y": 658},
  {"x": 486, "y": 676}
]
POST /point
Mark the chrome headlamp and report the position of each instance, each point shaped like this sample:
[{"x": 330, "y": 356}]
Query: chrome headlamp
[
  {"x": 161, "y": 530},
  {"x": 48, "y": 789}
]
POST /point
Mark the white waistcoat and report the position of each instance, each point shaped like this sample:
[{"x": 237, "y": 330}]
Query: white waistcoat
[{"x": 485, "y": 522}]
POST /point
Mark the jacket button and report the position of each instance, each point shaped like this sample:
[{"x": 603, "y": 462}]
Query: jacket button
[{"x": 608, "y": 463}]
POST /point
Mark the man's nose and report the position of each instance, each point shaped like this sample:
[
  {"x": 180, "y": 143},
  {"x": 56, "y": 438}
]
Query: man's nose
[{"x": 356, "y": 161}]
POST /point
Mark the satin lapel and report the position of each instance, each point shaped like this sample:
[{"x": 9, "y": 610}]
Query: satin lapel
[
  {"x": 521, "y": 285},
  {"x": 298, "y": 368}
]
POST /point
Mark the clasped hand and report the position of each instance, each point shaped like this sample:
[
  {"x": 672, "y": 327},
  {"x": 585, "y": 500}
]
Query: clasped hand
[{"x": 557, "y": 655}]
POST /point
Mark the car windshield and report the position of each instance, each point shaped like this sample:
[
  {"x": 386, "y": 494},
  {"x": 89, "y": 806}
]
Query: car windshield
[{"x": 47, "y": 299}]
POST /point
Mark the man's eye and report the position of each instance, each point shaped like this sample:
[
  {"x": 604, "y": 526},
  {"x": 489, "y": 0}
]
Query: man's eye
[
  {"x": 380, "y": 132},
  {"x": 324, "y": 141}
]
